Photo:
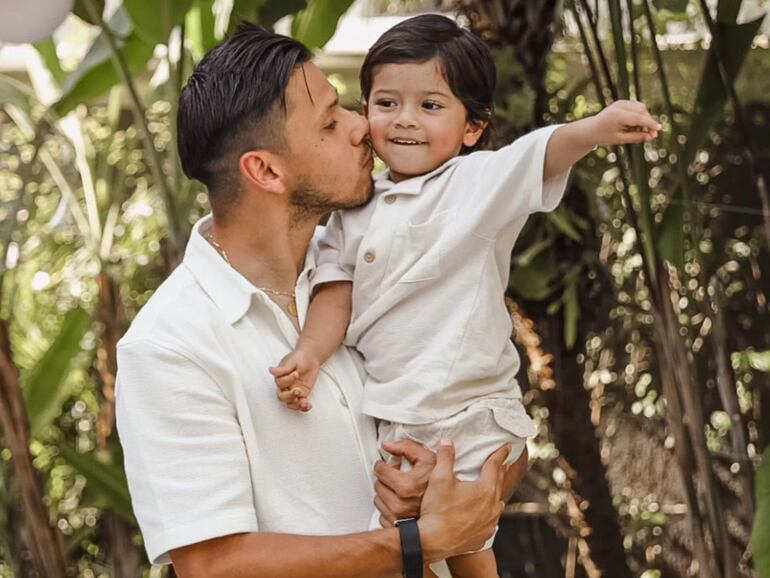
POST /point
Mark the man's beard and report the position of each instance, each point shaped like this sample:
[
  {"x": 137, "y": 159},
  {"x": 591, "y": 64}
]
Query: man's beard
[{"x": 309, "y": 202}]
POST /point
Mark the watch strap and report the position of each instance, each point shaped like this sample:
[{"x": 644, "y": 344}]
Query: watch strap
[{"x": 411, "y": 548}]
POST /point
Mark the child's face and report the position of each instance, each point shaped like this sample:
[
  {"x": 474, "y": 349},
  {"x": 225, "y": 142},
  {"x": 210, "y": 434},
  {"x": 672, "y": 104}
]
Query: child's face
[{"x": 415, "y": 121}]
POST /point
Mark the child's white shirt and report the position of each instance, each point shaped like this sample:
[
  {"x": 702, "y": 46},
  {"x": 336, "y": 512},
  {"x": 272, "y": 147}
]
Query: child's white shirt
[{"x": 429, "y": 258}]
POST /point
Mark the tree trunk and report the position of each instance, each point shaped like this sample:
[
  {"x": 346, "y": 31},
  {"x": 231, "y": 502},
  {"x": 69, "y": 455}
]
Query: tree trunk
[
  {"x": 45, "y": 541},
  {"x": 573, "y": 432}
]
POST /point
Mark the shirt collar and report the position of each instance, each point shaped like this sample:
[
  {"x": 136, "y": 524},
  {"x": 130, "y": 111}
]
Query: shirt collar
[
  {"x": 230, "y": 291},
  {"x": 412, "y": 186}
]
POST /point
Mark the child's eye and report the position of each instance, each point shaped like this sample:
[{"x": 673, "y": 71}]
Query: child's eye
[
  {"x": 386, "y": 103},
  {"x": 431, "y": 105}
]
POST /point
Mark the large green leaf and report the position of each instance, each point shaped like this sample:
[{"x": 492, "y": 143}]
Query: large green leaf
[
  {"x": 274, "y": 10},
  {"x": 199, "y": 29},
  {"x": 760, "y": 535},
  {"x": 153, "y": 21},
  {"x": 535, "y": 281},
  {"x": 734, "y": 42},
  {"x": 669, "y": 240},
  {"x": 81, "y": 11},
  {"x": 106, "y": 482},
  {"x": 15, "y": 93},
  {"x": 315, "y": 25},
  {"x": 42, "y": 387},
  {"x": 562, "y": 219},
  {"x": 96, "y": 74},
  {"x": 47, "y": 50}
]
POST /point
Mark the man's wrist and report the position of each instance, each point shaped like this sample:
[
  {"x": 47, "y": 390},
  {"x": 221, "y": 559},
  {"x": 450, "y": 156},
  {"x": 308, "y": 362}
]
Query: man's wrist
[{"x": 411, "y": 549}]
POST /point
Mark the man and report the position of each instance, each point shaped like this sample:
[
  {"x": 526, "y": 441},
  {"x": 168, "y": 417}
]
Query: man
[{"x": 224, "y": 479}]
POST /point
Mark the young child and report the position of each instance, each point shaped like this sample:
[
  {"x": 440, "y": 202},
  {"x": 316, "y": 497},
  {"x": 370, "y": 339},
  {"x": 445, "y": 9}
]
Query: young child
[{"x": 416, "y": 278}]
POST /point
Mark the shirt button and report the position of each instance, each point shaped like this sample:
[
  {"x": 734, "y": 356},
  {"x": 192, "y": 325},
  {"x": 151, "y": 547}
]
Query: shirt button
[
  {"x": 390, "y": 199},
  {"x": 369, "y": 256}
]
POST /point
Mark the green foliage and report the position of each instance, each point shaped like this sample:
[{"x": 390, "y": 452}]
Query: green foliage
[
  {"x": 96, "y": 74},
  {"x": 153, "y": 21},
  {"x": 760, "y": 536},
  {"x": 107, "y": 486},
  {"x": 734, "y": 44},
  {"x": 43, "y": 392},
  {"x": 82, "y": 12},
  {"x": 316, "y": 24},
  {"x": 47, "y": 50}
]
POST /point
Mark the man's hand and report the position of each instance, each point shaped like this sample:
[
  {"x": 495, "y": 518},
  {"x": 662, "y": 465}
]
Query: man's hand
[
  {"x": 295, "y": 377},
  {"x": 458, "y": 517},
  {"x": 399, "y": 494},
  {"x": 622, "y": 122}
]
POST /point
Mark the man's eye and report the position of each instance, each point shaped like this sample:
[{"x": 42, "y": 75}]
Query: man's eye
[
  {"x": 430, "y": 105},
  {"x": 331, "y": 126}
]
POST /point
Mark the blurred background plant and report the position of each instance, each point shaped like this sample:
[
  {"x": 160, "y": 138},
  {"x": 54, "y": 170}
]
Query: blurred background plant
[{"x": 641, "y": 303}]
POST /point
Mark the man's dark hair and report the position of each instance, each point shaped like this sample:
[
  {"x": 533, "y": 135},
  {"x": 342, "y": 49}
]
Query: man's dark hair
[
  {"x": 465, "y": 61},
  {"x": 235, "y": 101}
]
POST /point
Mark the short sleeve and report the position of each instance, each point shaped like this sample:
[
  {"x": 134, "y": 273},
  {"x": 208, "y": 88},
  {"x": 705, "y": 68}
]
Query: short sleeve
[
  {"x": 336, "y": 257},
  {"x": 184, "y": 453},
  {"x": 509, "y": 183}
]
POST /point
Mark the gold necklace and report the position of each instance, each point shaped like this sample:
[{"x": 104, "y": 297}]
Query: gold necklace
[{"x": 291, "y": 309}]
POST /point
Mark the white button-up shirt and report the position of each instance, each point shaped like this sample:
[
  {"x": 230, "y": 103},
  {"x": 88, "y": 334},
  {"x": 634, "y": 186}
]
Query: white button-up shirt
[
  {"x": 429, "y": 259},
  {"x": 209, "y": 449}
]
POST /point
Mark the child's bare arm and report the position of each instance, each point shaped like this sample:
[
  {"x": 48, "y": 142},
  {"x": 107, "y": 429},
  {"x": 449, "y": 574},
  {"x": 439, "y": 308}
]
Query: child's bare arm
[
  {"x": 324, "y": 331},
  {"x": 623, "y": 122}
]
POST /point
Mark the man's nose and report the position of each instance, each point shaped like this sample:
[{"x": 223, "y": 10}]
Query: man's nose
[{"x": 360, "y": 130}]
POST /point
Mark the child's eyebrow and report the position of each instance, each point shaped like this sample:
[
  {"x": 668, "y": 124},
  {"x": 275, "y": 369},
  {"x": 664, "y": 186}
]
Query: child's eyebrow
[
  {"x": 380, "y": 91},
  {"x": 437, "y": 92}
]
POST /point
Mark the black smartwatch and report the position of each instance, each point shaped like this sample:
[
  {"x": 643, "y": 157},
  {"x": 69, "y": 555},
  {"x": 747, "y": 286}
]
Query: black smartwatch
[{"x": 411, "y": 549}]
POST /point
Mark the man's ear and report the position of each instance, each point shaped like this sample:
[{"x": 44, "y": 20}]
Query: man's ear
[
  {"x": 473, "y": 132},
  {"x": 264, "y": 170}
]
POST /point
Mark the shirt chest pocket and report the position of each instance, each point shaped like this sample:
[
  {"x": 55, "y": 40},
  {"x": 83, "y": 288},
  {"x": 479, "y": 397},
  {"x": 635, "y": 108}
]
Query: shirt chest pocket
[{"x": 421, "y": 248}]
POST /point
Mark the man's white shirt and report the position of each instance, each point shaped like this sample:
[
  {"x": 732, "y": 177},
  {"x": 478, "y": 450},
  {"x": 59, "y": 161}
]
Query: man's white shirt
[
  {"x": 429, "y": 258},
  {"x": 209, "y": 449}
]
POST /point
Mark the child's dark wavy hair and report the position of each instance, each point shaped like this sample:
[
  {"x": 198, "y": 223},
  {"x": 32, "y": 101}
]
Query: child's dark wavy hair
[{"x": 465, "y": 61}]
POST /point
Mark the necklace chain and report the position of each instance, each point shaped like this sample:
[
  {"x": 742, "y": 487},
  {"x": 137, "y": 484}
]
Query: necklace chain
[{"x": 292, "y": 306}]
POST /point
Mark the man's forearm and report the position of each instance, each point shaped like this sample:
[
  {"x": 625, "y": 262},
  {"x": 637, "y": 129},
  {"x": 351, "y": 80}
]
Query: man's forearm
[
  {"x": 374, "y": 554},
  {"x": 567, "y": 145}
]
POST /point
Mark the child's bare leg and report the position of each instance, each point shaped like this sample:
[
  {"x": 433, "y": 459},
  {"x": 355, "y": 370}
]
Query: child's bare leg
[{"x": 475, "y": 565}]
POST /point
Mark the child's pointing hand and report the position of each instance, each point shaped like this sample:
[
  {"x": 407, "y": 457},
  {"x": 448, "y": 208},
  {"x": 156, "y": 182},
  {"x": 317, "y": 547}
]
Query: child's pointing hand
[{"x": 623, "y": 122}]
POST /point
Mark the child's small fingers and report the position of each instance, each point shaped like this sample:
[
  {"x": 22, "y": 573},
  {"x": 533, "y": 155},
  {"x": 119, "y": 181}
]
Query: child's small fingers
[
  {"x": 286, "y": 396},
  {"x": 282, "y": 369},
  {"x": 636, "y": 137},
  {"x": 287, "y": 380}
]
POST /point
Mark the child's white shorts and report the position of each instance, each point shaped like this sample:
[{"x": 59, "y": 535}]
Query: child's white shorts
[{"x": 476, "y": 433}]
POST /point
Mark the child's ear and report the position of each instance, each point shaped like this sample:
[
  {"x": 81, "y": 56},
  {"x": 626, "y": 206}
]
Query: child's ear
[
  {"x": 473, "y": 132},
  {"x": 365, "y": 107}
]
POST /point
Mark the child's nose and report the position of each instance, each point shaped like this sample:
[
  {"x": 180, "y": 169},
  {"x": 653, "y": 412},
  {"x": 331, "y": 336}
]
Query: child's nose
[{"x": 406, "y": 118}]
